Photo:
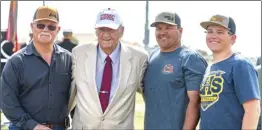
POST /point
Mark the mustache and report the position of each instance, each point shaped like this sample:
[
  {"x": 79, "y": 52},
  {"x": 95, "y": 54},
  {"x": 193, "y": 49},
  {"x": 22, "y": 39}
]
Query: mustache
[{"x": 45, "y": 33}]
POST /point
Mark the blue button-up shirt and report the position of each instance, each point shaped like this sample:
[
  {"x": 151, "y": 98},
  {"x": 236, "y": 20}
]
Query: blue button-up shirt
[
  {"x": 100, "y": 64},
  {"x": 33, "y": 91}
]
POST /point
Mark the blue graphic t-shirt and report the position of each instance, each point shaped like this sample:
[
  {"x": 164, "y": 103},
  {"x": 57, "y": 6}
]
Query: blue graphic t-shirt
[
  {"x": 225, "y": 87},
  {"x": 168, "y": 78}
]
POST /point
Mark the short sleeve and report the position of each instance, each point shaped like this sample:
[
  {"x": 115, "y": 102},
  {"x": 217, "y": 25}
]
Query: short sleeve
[
  {"x": 245, "y": 81},
  {"x": 194, "y": 69}
]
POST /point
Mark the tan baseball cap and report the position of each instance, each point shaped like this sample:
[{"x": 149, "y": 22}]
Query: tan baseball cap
[
  {"x": 46, "y": 13},
  {"x": 220, "y": 20},
  {"x": 168, "y": 18}
]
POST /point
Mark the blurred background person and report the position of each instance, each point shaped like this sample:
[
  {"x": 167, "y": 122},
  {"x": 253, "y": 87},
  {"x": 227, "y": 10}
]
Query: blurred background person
[
  {"x": 67, "y": 42},
  {"x": 258, "y": 61}
]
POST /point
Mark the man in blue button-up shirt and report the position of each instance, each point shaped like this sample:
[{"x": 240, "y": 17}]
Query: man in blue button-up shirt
[{"x": 36, "y": 80}]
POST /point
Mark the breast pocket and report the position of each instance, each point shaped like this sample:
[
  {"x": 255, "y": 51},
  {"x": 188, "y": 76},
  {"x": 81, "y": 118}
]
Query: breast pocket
[
  {"x": 63, "y": 81},
  {"x": 176, "y": 79},
  {"x": 177, "y": 82}
]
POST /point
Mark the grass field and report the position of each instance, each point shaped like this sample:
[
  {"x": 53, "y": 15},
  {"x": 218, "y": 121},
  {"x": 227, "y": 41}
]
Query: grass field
[
  {"x": 139, "y": 114},
  {"x": 5, "y": 127}
]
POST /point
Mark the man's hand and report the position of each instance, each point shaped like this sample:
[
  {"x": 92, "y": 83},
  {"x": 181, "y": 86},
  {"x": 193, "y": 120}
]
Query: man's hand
[{"x": 41, "y": 127}]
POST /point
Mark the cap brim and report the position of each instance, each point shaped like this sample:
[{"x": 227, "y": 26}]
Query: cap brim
[
  {"x": 157, "y": 22},
  {"x": 112, "y": 26},
  {"x": 37, "y": 20},
  {"x": 208, "y": 23}
]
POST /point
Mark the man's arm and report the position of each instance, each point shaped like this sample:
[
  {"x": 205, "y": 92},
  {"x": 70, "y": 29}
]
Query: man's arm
[
  {"x": 144, "y": 66},
  {"x": 251, "y": 116},
  {"x": 194, "y": 69},
  {"x": 192, "y": 111},
  {"x": 73, "y": 91},
  {"x": 10, "y": 93}
]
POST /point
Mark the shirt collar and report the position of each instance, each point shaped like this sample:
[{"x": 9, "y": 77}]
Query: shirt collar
[
  {"x": 30, "y": 49},
  {"x": 114, "y": 55}
]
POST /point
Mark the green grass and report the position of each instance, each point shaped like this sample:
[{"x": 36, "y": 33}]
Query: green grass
[
  {"x": 139, "y": 112},
  {"x": 5, "y": 127}
]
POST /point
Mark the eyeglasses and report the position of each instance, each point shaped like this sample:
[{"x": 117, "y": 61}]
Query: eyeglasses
[{"x": 49, "y": 27}]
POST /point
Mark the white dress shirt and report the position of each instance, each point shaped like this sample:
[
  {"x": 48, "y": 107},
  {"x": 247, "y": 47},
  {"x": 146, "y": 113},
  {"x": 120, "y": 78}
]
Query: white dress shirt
[{"x": 100, "y": 64}]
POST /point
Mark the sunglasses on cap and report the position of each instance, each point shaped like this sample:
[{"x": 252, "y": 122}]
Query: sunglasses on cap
[{"x": 49, "y": 27}]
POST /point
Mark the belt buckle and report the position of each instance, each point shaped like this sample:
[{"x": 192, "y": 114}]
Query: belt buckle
[{"x": 67, "y": 122}]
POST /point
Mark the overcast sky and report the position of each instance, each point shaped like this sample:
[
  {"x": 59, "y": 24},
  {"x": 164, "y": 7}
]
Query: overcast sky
[{"x": 80, "y": 17}]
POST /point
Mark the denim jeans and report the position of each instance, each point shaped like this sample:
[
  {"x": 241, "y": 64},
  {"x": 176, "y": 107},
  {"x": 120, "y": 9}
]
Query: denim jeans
[{"x": 13, "y": 127}]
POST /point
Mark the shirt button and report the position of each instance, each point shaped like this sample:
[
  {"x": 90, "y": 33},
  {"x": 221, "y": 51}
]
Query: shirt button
[{"x": 102, "y": 119}]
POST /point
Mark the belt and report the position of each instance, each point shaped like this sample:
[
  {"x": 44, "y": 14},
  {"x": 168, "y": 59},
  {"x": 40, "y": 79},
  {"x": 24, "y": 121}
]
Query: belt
[{"x": 51, "y": 126}]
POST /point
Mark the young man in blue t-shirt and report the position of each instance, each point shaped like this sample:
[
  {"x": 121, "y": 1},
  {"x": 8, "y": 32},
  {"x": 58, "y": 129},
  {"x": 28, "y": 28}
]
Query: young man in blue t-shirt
[
  {"x": 172, "y": 79},
  {"x": 229, "y": 91}
]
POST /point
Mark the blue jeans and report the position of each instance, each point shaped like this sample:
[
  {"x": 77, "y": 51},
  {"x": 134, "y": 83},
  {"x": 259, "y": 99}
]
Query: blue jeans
[{"x": 13, "y": 127}]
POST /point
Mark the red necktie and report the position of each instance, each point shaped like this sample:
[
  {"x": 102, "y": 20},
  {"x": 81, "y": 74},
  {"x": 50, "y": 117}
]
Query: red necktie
[{"x": 104, "y": 93}]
